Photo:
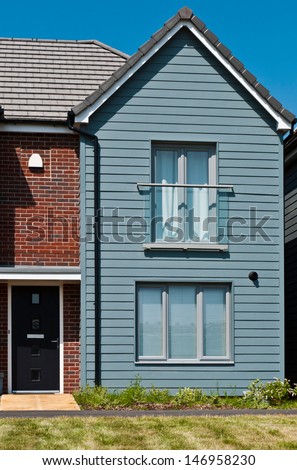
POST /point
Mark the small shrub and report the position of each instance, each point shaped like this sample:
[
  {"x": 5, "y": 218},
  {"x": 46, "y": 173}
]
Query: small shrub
[
  {"x": 93, "y": 397},
  {"x": 133, "y": 395},
  {"x": 156, "y": 395},
  {"x": 187, "y": 396},
  {"x": 263, "y": 395}
]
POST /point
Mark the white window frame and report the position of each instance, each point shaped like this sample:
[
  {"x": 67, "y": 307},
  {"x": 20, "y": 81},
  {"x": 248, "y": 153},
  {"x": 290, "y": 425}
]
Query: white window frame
[
  {"x": 182, "y": 150},
  {"x": 200, "y": 359}
]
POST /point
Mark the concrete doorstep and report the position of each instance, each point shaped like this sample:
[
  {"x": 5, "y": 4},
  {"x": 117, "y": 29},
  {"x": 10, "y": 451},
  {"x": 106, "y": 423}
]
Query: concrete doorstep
[{"x": 38, "y": 402}]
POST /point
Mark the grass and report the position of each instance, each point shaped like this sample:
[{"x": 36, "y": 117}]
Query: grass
[{"x": 146, "y": 433}]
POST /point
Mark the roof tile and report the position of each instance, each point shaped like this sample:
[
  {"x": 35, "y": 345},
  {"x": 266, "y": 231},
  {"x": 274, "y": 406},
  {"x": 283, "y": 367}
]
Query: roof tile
[
  {"x": 134, "y": 58},
  {"x": 211, "y": 36},
  {"x": 147, "y": 46},
  {"x": 236, "y": 63},
  {"x": 160, "y": 34},
  {"x": 224, "y": 50},
  {"x": 275, "y": 103},
  {"x": 198, "y": 23},
  {"x": 262, "y": 90},
  {"x": 172, "y": 21},
  {"x": 249, "y": 76},
  {"x": 46, "y": 78},
  {"x": 288, "y": 115},
  {"x": 185, "y": 13}
]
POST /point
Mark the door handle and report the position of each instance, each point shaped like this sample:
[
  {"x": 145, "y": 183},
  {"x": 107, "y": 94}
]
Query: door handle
[{"x": 56, "y": 341}]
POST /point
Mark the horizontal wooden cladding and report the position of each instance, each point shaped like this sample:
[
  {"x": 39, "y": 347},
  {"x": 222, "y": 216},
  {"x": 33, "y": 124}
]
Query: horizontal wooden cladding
[
  {"x": 269, "y": 352},
  {"x": 122, "y": 301},
  {"x": 180, "y": 373},
  {"x": 168, "y": 132},
  {"x": 119, "y": 309},
  {"x": 132, "y": 110},
  {"x": 184, "y": 95},
  {"x": 254, "y": 124}
]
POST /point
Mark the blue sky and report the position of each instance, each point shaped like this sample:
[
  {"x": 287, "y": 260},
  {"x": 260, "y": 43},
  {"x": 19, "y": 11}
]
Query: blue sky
[{"x": 260, "y": 33}]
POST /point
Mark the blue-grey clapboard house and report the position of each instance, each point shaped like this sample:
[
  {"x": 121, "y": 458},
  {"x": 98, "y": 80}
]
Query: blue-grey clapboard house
[
  {"x": 184, "y": 283},
  {"x": 291, "y": 256}
]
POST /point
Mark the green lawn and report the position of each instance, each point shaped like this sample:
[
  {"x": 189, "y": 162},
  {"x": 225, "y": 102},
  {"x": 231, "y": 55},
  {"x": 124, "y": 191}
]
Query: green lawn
[{"x": 179, "y": 433}]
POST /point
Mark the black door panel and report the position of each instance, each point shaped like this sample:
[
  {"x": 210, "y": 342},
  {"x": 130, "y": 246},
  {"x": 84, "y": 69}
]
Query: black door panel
[{"x": 35, "y": 338}]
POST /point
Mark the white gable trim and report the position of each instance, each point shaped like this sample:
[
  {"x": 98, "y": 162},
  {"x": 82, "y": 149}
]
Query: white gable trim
[
  {"x": 282, "y": 123},
  {"x": 83, "y": 117}
]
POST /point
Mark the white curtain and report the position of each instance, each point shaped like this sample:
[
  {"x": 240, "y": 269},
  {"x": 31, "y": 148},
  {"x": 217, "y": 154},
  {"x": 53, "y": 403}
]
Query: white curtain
[
  {"x": 169, "y": 210},
  {"x": 198, "y": 198},
  {"x": 201, "y": 210},
  {"x": 167, "y": 197}
]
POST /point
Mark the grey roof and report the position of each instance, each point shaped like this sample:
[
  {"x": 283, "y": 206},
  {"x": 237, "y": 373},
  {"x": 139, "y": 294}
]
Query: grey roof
[
  {"x": 44, "y": 79},
  {"x": 186, "y": 13}
]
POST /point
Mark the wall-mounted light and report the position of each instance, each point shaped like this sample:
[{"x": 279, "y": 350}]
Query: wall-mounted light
[
  {"x": 253, "y": 276},
  {"x": 35, "y": 161}
]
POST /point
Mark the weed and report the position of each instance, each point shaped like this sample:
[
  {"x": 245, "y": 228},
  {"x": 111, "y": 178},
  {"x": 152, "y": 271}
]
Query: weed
[{"x": 262, "y": 395}]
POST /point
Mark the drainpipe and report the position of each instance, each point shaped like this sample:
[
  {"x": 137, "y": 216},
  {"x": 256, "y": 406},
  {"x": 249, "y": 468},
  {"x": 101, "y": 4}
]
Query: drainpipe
[
  {"x": 93, "y": 138},
  {"x": 292, "y": 127}
]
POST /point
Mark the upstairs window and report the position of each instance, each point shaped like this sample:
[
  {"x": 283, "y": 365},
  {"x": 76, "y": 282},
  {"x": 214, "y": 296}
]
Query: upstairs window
[{"x": 183, "y": 204}]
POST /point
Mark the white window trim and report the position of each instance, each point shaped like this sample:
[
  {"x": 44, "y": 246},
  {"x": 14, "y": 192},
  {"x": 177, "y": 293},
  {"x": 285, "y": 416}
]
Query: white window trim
[
  {"x": 182, "y": 148},
  {"x": 201, "y": 359}
]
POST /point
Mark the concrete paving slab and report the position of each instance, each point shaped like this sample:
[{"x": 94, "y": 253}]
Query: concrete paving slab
[{"x": 38, "y": 402}]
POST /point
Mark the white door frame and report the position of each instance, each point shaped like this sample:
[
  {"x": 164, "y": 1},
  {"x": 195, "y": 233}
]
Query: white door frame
[{"x": 9, "y": 313}]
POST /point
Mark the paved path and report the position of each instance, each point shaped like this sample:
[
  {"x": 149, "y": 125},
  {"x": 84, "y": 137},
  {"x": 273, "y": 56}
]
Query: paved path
[
  {"x": 38, "y": 402},
  {"x": 139, "y": 413}
]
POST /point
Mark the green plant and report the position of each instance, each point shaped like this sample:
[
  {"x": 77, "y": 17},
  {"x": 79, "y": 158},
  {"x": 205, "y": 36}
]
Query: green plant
[
  {"x": 187, "y": 396},
  {"x": 132, "y": 395},
  {"x": 270, "y": 393},
  {"x": 90, "y": 397},
  {"x": 156, "y": 395}
]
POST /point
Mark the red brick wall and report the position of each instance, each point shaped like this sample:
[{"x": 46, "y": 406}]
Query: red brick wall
[
  {"x": 3, "y": 332},
  {"x": 71, "y": 337},
  {"x": 39, "y": 210}
]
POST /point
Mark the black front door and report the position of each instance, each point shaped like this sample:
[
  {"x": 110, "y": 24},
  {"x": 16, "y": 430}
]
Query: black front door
[{"x": 35, "y": 338}]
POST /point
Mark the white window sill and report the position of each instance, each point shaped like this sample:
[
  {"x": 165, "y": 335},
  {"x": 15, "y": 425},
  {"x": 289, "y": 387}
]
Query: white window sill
[
  {"x": 185, "y": 246},
  {"x": 185, "y": 362}
]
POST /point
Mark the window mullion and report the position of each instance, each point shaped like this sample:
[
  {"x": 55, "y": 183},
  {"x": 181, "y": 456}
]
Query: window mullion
[
  {"x": 183, "y": 192},
  {"x": 200, "y": 323},
  {"x": 165, "y": 323},
  {"x": 228, "y": 323}
]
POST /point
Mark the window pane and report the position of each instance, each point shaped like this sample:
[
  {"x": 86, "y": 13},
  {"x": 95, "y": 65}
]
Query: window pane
[
  {"x": 182, "y": 322},
  {"x": 198, "y": 198},
  {"x": 214, "y": 321},
  {"x": 150, "y": 321},
  {"x": 166, "y": 198}
]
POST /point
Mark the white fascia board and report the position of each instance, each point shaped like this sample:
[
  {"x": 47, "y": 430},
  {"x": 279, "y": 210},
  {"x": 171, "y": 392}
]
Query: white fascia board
[
  {"x": 39, "y": 277},
  {"x": 83, "y": 117},
  {"x": 35, "y": 128}
]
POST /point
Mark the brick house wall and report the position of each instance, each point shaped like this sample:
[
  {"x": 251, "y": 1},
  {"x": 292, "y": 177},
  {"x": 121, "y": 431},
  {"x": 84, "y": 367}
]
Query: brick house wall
[
  {"x": 71, "y": 337},
  {"x": 39, "y": 209},
  {"x": 39, "y": 220}
]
